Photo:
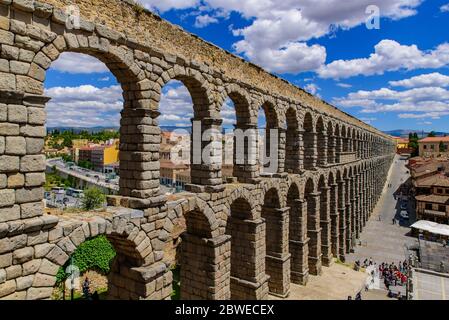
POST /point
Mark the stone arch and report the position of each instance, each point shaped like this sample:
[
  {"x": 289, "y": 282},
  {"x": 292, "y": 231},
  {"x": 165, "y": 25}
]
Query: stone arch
[
  {"x": 293, "y": 142},
  {"x": 200, "y": 226},
  {"x": 331, "y": 142},
  {"x": 345, "y": 139},
  {"x": 276, "y": 242},
  {"x": 198, "y": 87},
  {"x": 309, "y": 139},
  {"x": 120, "y": 61},
  {"x": 135, "y": 255},
  {"x": 298, "y": 246},
  {"x": 333, "y": 213},
  {"x": 272, "y": 120},
  {"x": 245, "y": 134},
  {"x": 242, "y": 104},
  {"x": 322, "y": 142},
  {"x": 247, "y": 273},
  {"x": 325, "y": 225},
  {"x": 312, "y": 198},
  {"x": 338, "y": 142}
]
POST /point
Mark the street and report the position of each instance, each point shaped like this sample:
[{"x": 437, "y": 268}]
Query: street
[{"x": 382, "y": 240}]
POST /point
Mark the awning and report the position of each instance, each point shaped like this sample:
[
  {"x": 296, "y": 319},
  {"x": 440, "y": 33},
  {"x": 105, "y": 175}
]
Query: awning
[{"x": 432, "y": 227}]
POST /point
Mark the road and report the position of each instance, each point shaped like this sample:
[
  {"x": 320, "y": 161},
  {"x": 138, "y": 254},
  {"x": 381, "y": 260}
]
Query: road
[{"x": 382, "y": 240}]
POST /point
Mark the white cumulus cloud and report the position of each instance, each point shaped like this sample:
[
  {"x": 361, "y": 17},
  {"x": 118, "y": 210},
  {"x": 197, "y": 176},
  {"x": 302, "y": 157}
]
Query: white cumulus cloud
[
  {"x": 77, "y": 63},
  {"x": 434, "y": 79},
  {"x": 204, "y": 20},
  {"x": 388, "y": 55}
]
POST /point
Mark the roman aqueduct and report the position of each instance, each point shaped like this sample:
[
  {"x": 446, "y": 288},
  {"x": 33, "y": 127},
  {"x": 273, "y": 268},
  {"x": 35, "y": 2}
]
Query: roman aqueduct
[{"x": 243, "y": 239}]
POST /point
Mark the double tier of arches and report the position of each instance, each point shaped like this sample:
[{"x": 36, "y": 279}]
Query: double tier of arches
[{"x": 241, "y": 240}]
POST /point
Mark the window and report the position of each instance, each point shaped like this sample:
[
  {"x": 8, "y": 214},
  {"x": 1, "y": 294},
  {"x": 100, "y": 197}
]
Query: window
[
  {"x": 446, "y": 191},
  {"x": 428, "y": 206},
  {"x": 425, "y": 146},
  {"x": 442, "y": 208},
  {"x": 432, "y": 146},
  {"x": 440, "y": 191}
]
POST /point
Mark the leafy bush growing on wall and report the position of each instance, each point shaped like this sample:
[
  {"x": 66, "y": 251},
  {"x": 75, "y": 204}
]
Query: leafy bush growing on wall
[
  {"x": 93, "y": 199},
  {"x": 93, "y": 254}
]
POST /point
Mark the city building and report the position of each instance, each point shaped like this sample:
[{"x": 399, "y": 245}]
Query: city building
[
  {"x": 434, "y": 146},
  {"x": 430, "y": 188},
  {"x": 172, "y": 174},
  {"x": 434, "y": 206},
  {"x": 101, "y": 156}
]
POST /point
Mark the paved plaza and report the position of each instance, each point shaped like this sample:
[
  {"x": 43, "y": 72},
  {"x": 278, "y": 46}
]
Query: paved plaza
[{"x": 337, "y": 282}]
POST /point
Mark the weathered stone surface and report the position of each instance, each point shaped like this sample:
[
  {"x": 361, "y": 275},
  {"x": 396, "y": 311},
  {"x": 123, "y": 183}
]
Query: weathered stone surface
[
  {"x": 16, "y": 180},
  {"x": 9, "y": 213},
  {"x": 9, "y": 164},
  {"x": 24, "y": 283},
  {"x": 57, "y": 256},
  {"x": 33, "y": 131},
  {"x": 9, "y": 129},
  {"x": 13, "y": 272},
  {"x": 3, "y": 181},
  {"x": 48, "y": 268},
  {"x": 34, "y": 145},
  {"x": 36, "y": 116},
  {"x": 15, "y": 146},
  {"x": 31, "y": 210},
  {"x": 32, "y": 163},
  {"x": 5, "y": 245},
  {"x": 7, "y": 198},
  {"x": 44, "y": 280},
  {"x": 19, "y": 67},
  {"x": 41, "y": 250},
  {"x": 7, "y": 288},
  {"x": 39, "y": 293},
  {"x": 5, "y": 260},
  {"x": 2, "y": 276},
  {"x": 31, "y": 267},
  {"x": 17, "y": 114},
  {"x": 37, "y": 237},
  {"x": 18, "y": 242},
  {"x": 34, "y": 179},
  {"x": 29, "y": 195},
  {"x": 23, "y": 255}
]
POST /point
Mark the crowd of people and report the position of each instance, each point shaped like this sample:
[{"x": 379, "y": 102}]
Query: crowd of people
[
  {"x": 394, "y": 275},
  {"x": 391, "y": 273}
]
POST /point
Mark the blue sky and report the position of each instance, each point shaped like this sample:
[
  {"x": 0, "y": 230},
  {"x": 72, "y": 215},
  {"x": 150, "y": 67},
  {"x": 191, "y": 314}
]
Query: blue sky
[{"x": 395, "y": 77}]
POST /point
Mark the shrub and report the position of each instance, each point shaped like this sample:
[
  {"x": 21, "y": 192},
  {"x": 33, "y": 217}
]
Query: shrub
[
  {"x": 93, "y": 199},
  {"x": 94, "y": 254}
]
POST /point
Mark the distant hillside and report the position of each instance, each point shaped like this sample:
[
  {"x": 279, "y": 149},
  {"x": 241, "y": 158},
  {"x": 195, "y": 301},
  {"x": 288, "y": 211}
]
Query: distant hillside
[
  {"x": 405, "y": 132},
  {"x": 79, "y": 129}
]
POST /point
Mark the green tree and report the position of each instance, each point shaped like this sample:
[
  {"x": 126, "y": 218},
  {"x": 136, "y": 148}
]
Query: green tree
[
  {"x": 93, "y": 199},
  {"x": 432, "y": 134},
  {"x": 442, "y": 147},
  {"x": 85, "y": 164},
  {"x": 93, "y": 254},
  {"x": 413, "y": 143}
]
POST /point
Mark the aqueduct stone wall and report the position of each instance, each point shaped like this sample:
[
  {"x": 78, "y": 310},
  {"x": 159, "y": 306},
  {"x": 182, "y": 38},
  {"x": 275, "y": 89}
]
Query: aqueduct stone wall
[{"x": 243, "y": 239}]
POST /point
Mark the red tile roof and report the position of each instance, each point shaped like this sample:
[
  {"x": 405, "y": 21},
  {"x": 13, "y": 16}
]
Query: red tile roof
[{"x": 435, "y": 139}]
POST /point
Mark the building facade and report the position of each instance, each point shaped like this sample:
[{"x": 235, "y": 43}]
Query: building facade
[{"x": 434, "y": 147}]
